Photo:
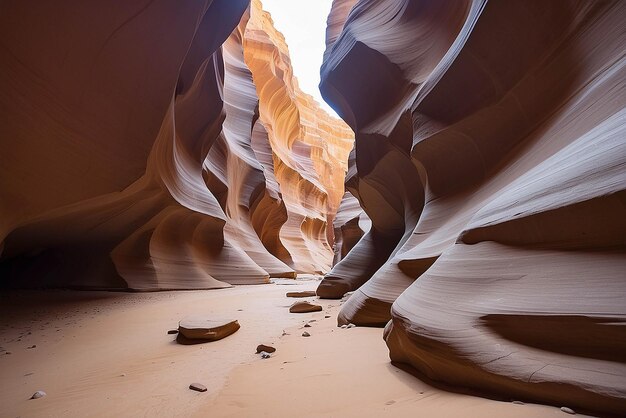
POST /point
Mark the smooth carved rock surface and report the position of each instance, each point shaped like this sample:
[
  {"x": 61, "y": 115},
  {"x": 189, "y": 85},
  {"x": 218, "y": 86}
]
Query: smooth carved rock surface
[
  {"x": 116, "y": 172},
  {"x": 490, "y": 158}
]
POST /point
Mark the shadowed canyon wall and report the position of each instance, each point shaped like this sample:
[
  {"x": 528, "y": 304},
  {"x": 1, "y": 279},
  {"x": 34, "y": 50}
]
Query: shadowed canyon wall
[
  {"x": 490, "y": 158},
  {"x": 160, "y": 145}
]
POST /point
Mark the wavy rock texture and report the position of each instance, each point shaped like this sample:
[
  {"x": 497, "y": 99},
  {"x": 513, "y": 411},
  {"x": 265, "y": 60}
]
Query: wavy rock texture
[
  {"x": 309, "y": 148},
  {"x": 350, "y": 224},
  {"x": 134, "y": 154},
  {"x": 491, "y": 161}
]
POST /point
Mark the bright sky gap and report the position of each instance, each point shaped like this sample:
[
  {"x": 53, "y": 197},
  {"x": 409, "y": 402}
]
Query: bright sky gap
[{"x": 303, "y": 23}]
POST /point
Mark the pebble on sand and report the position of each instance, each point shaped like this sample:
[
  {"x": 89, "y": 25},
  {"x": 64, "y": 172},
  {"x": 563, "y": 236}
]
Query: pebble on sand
[
  {"x": 38, "y": 394},
  {"x": 198, "y": 387},
  {"x": 568, "y": 410},
  {"x": 303, "y": 307},
  {"x": 267, "y": 348},
  {"x": 518, "y": 402},
  {"x": 265, "y": 355},
  {"x": 306, "y": 334},
  {"x": 172, "y": 331}
]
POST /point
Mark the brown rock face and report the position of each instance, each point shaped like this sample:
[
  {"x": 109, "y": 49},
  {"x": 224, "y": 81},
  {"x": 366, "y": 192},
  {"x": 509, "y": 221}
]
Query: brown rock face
[
  {"x": 138, "y": 152},
  {"x": 490, "y": 158}
]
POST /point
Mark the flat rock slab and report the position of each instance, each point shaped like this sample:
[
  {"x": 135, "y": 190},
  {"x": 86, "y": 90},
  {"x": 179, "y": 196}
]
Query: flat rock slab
[
  {"x": 303, "y": 307},
  {"x": 303, "y": 294},
  {"x": 199, "y": 329}
]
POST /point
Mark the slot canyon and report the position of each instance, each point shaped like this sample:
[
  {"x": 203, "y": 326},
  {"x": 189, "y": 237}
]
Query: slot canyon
[{"x": 450, "y": 243}]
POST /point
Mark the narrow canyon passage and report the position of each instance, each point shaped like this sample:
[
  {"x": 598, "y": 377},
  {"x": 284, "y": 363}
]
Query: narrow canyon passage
[{"x": 454, "y": 212}]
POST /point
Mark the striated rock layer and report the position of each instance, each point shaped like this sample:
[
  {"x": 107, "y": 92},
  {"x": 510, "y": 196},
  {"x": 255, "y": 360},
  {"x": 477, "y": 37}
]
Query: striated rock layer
[
  {"x": 490, "y": 158},
  {"x": 141, "y": 149}
]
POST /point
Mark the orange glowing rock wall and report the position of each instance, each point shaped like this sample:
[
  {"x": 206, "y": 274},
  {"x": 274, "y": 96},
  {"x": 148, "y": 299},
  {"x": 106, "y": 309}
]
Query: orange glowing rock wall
[{"x": 138, "y": 150}]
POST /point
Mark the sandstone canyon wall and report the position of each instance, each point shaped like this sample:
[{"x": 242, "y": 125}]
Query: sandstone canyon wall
[
  {"x": 490, "y": 157},
  {"x": 159, "y": 145}
]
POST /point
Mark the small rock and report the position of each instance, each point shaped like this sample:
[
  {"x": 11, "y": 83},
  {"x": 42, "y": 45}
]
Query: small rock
[
  {"x": 306, "y": 334},
  {"x": 326, "y": 316},
  {"x": 568, "y": 410},
  {"x": 303, "y": 294},
  {"x": 267, "y": 348},
  {"x": 172, "y": 331},
  {"x": 123, "y": 375},
  {"x": 8, "y": 352},
  {"x": 518, "y": 403},
  {"x": 304, "y": 307},
  {"x": 38, "y": 394},
  {"x": 265, "y": 355},
  {"x": 29, "y": 374},
  {"x": 198, "y": 387},
  {"x": 32, "y": 346},
  {"x": 307, "y": 326},
  {"x": 351, "y": 326},
  {"x": 344, "y": 326}
]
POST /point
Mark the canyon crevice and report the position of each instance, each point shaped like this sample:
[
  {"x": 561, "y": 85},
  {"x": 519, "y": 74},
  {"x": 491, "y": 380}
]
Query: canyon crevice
[
  {"x": 471, "y": 201},
  {"x": 156, "y": 154}
]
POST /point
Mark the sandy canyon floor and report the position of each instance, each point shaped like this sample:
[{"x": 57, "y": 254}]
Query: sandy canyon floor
[{"x": 109, "y": 354}]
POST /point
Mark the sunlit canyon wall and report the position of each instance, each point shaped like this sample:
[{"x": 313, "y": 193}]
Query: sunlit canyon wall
[
  {"x": 159, "y": 145},
  {"x": 490, "y": 157}
]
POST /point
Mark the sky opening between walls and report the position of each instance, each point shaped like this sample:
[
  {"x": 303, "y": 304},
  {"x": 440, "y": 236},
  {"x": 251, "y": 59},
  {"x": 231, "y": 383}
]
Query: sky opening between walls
[{"x": 303, "y": 23}]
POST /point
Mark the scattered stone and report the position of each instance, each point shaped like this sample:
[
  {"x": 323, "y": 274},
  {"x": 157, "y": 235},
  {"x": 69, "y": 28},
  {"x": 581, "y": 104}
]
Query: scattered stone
[
  {"x": 172, "y": 331},
  {"x": 8, "y": 352},
  {"x": 351, "y": 326},
  {"x": 199, "y": 329},
  {"x": 239, "y": 310},
  {"x": 303, "y": 294},
  {"x": 32, "y": 346},
  {"x": 307, "y": 325},
  {"x": 304, "y": 307},
  {"x": 29, "y": 374},
  {"x": 306, "y": 334},
  {"x": 38, "y": 394},
  {"x": 198, "y": 387},
  {"x": 326, "y": 316},
  {"x": 344, "y": 326},
  {"x": 267, "y": 348},
  {"x": 518, "y": 403},
  {"x": 568, "y": 410},
  {"x": 123, "y": 375},
  {"x": 265, "y": 355}
]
